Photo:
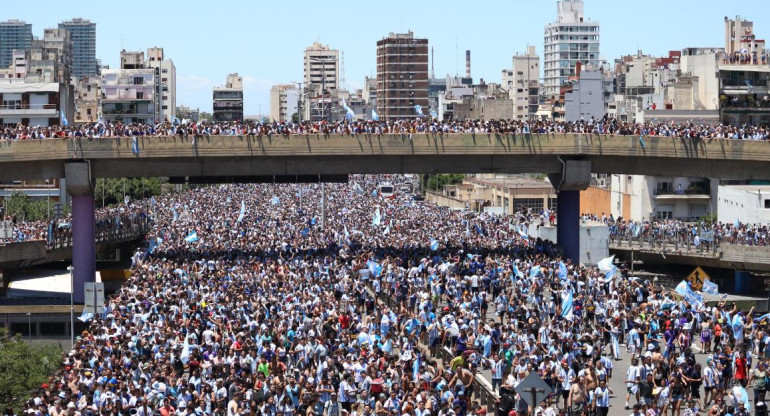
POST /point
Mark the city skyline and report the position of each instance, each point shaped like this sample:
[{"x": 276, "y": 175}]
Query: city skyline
[{"x": 267, "y": 50}]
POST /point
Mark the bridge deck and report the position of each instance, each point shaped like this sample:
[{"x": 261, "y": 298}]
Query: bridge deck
[{"x": 393, "y": 153}]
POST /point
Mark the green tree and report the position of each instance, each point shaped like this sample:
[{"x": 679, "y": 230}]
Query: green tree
[
  {"x": 24, "y": 208},
  {"x": 437, "y": 182},
  {"x": 23, "y": 369},
  {"x": 110, "y": 191}
]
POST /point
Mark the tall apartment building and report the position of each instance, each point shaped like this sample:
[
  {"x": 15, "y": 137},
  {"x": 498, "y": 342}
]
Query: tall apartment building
[
  {"x": 568, "y": 40},
  {"x": 51, "y": 57},
  {"x": 166, "y": 72},
  {"x": 522, "y": 82},
  {"x": 402, "y": 76},
  {"x": 83, "y": 36},
  {"x": 321, "y": 74},
  {"x": 14, "y": 35},
  {"x": 228, "y": 100},
  {"x": 284, "y": 102}
]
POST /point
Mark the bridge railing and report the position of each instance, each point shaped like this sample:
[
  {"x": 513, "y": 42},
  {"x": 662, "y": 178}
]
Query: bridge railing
[
  {"x": 660, "y": 240},
  {"x": 127, "y": 228}
]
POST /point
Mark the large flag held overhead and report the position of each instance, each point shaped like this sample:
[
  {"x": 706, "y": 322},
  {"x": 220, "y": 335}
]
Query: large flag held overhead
[
  {"x": 683, "y": 288},
  {"x": 192, "y": 237},
  {"x": 710, "y": 287},
  {"x": 377, "y": 220},
  {"x": 562, "y": 271},
  {"x": 375, "y": 117},
  {"x": 349, "y": 114},
  {"x": 433, "y": 245},
  {"x": 275, "y": 200},
  {"x": 606, "y": 265},
  {"x": 418, "y": 110}
]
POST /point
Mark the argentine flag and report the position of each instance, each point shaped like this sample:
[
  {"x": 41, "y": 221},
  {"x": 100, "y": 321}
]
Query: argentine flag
[
  {"x": 243, "y": 211},
  {"x": 192, "y": 237},
  {"x": 375, "y": 117},
  {"x": 562, "y": 271},
  {"x": 567, "y": 308},
  {"x": 433, "y": 245},
  {"x": 606, "y": 265}
]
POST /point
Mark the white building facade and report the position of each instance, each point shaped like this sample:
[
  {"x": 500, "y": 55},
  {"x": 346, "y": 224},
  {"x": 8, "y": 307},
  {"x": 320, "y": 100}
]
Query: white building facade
[{"x": 570, "y": 39}]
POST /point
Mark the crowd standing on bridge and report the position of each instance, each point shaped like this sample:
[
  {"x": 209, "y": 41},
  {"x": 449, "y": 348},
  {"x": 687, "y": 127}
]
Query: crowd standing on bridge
[
  {"x": 249, "y": 300},
  {"x": 693, "y": 129}
]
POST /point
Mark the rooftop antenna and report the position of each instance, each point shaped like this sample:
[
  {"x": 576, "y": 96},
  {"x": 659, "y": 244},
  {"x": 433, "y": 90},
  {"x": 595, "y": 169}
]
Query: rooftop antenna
[
  {"x": 457, "y": 58},
  {"x": 432, "y": 62},
  {"x": 342, "y": 75}
]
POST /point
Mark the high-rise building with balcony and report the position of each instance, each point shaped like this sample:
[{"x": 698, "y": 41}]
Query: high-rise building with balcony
[
  {"x": 228, "y": 100},
  {"x": 166, "y": 73},
  {"x": 570, "y": 39},
  {"x": 402, "y": 76},
  {"x": 14, "y": 35},
  {"x": 321, "y": 75},
  {"x": 83, "y": 36}
]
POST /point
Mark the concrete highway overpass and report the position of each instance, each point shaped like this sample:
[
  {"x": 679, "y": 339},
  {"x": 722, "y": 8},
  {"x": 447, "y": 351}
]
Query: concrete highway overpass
[{"x": 242, "y": 156}]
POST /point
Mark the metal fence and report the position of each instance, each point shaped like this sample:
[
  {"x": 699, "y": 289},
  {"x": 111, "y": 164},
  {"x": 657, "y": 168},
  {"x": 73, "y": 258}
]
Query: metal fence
[
  {"x": 120, "y": 228},
  {"x": 659, "y": 240}
]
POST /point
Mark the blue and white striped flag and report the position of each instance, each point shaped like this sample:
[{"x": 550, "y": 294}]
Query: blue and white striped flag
[
  {"x": 275, "y": 200},
  {"x": 192, "y": 237},
  {"x": 135, "y": 146},
  {"x": 349, "y": 114},
  {"x": 605, "y": 264},
  {"x": 609, "y": 274},
  {"x": 567, "y": 309},
  {"x": 243, "y": 211},
  {"x": 375, "y": 117},
  {"x": 562, "y": 271},
  {"x": 64, "y": 121},
  {"x": 418, "y": 110},
  {"x": 710, "y": 287},
  {"x": 377, "y": 220},
  {"x": 433, "y": 245}
]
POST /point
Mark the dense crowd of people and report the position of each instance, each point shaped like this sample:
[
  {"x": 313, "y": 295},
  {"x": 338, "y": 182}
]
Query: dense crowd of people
[
  {"x": 251, "y": 300},
  {"x": 693, "y": 129}
]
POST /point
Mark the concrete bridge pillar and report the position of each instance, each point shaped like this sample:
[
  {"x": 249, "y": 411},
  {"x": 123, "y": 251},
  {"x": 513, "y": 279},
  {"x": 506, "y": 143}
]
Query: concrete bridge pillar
[
  {"x": 575, "y": 177},
  {"x": 742, "y": 282},
  {"x": 80, "y": 186}
]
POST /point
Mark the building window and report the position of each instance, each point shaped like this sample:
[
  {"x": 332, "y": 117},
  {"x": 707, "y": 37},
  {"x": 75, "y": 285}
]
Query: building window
[
  {"x": 552, "y": 203},
  {"x": 138, "y": 80},
  {"x": 535, "y": 204},
  {"x": 139, "y": 95},
  {"x": 767, "y": 203}
]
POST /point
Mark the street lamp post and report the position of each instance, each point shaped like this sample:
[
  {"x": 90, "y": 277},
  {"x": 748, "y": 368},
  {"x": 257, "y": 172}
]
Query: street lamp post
[
  {"x": 29, "y": 328},
  {"x": 72, "y": 305}
]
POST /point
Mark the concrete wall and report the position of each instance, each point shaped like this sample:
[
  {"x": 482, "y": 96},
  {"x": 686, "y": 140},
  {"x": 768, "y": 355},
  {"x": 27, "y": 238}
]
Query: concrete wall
[
  {"x": 739, "y": 203},
  {"x": 595, "y": 201},
  {"x": 444, "y": 201},
  {"x": 586, "y": 99},
  {"x": 594, "y": 241},
  {"x": 706, "y": 92}
]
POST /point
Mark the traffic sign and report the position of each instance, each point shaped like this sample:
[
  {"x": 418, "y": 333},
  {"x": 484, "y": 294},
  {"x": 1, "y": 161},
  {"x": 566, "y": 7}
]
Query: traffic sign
[
  {"x": 697, "y": 277},
  {"x": 94, "y": 297},
  {"x": 533, "y": 389}
]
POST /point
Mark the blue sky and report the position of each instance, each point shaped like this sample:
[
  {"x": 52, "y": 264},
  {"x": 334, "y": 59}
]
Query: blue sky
[{"x": 264, "y": 41}]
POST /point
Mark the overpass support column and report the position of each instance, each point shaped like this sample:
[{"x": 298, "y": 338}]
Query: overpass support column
[
  {"x": 742, "y": 282},
  {"x": 575, "y": 177},
  {"x": 80, "y": 187}
]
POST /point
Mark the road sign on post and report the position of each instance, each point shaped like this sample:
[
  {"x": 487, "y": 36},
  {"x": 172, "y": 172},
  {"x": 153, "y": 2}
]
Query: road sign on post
[
  {"x": 533, "y": 389},
  {"x": 94, "y": 294},
  {"x": 697, "y": 277}
]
